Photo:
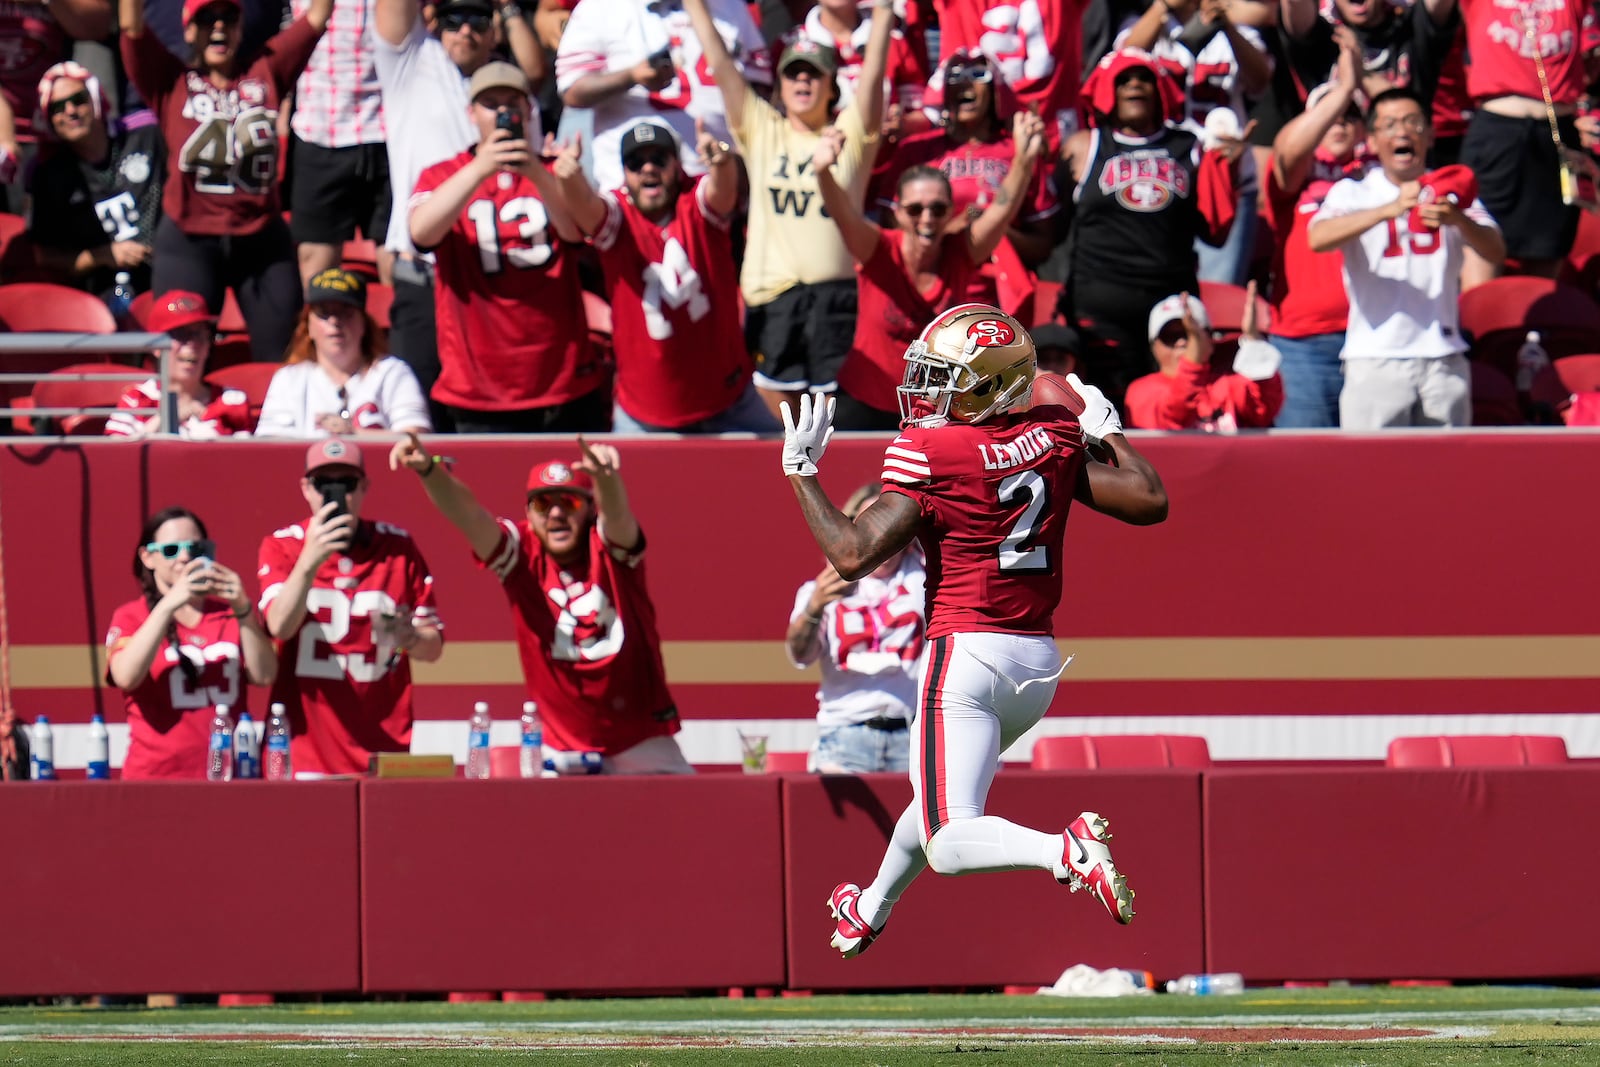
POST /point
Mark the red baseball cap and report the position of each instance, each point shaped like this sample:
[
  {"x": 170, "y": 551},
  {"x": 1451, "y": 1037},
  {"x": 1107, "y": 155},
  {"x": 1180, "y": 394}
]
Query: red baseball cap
[
  {"x": 335, "y": 452},
  {"x": 177, "y": 308},
  {"x": 191, "y": 8},
  {"x": 558, "y": 476}
]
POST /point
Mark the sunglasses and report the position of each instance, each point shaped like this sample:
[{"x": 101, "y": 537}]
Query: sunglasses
[
  {"x": 322, "y": 485},
  {"x": 543, "y": 503},
  {"x": 637, "y": 161},
  {"x": 171, "y": 549},
  {"x": 212, "y": 15},
  {"x": 937, "y": 209},
  {"x": 456, "y": 22},
  {"x": 77, "y": 99},
  {"x": 978, "y": 73}
]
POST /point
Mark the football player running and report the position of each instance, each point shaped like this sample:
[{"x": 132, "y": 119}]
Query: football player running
[{"x": 984, "y": 482}]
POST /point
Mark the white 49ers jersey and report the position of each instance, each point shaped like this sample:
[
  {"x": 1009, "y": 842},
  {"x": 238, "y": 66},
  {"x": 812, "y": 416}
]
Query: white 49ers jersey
[
  {"x": 1404, "y": 287},
  {"x": 602, "y": 37}
]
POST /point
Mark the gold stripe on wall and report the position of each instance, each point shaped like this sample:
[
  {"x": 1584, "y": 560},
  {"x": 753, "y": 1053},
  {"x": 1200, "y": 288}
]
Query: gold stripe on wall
[{"x": 1123, "y": 659}]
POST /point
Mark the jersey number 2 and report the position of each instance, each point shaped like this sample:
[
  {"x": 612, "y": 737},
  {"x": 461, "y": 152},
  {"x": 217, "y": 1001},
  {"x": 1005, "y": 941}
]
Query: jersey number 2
[{"x": 1017, "y": 551}]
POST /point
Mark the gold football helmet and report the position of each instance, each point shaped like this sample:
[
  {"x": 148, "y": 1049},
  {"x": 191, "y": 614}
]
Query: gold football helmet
[{"x": 971, "y": 362}]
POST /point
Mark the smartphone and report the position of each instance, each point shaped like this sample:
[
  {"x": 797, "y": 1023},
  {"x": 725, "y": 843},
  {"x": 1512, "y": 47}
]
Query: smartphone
[
  {"x": 661, "y": 58},
  {"x": 510, "y": 121},
  {"x": 335, "y": 493}
]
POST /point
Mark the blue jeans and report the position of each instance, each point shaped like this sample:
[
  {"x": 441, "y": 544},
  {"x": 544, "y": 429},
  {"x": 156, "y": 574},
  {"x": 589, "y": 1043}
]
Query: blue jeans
[
  {"x": 1312, "y": 379},
  {"x": 748, "y": 414},
  {"x": 860, "y": 749}
]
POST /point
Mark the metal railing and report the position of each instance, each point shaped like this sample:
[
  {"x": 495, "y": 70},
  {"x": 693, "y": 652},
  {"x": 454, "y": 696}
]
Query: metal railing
[{"x": 86, "y": 345}]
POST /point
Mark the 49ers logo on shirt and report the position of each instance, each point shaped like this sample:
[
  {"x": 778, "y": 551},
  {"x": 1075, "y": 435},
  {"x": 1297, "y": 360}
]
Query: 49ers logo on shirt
[
  {"x": 991, "y": 333},
  {"x": 1144, "y": 181}
]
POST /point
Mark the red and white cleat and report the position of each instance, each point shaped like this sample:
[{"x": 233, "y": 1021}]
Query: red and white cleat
[
  {"x": 852, "y": 936},
  {"x": 1087, "y": 858}
]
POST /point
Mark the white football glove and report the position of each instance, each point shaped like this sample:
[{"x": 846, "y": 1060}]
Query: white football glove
[
  {"x": 1099, "y": 419},
  {"x": 806, "y": 435}
]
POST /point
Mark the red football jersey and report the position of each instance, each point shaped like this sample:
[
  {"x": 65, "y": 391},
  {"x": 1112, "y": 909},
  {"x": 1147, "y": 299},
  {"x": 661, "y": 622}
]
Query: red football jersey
[
  {"x": 1036, "y": 45},
  {"x": 975, "y": 172},
  {"x": 994, "y": 498},
  {"x": 169, "y": 717},
  {"x": 587, "y": 637},
  {"x": 892, "y": 313},
  {"x": 1502, "y": 52},
  {"x": 344, "y": 699},
  {"x": 1308, "y": 296},
  {"x": 509, "y": 308},
  {"x": 674, "y": 293},
  {"x": 227, "y": 413},
  {"x": 222, "y": 144}
]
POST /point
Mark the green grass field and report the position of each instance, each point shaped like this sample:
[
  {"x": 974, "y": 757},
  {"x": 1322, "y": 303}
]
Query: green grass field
[{"x": 1375, "y": 1025}]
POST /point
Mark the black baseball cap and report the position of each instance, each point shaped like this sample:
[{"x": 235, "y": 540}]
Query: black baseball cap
[
  {"x": 649, "y": 133},
  {"x": 337, "y": 286}
]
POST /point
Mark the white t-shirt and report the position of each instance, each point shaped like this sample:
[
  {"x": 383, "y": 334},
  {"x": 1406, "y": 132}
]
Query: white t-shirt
[
  {"x": 1404, "y": 287},
  {"x": 872, "y": 647},
  {"x": 425, "y": 112},
  {"x": 384, "y": 396},
  {"x": 609, "y": 35}
]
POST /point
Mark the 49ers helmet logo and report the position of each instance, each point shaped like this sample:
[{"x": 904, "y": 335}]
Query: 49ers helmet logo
[{"x": 991, "y": 333}]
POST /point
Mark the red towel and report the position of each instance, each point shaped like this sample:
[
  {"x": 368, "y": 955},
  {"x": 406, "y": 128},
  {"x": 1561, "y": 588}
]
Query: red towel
[
  {"x": 1455, "y": 182},
  {"x": 1100, "y": 88}
]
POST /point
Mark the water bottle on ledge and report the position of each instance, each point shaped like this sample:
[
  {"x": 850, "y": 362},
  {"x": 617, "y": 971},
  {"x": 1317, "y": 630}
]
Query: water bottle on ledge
[
  {"x": 1207, "y": 984},
  {"x": 42, "y": 751},
  {"x": 478, "y": 741},
  {"x": 532, "y": 754},
  {"x": 219, "y": 754},
  {"x": 121, "y": 299},
  {"x": 279, "y": 767},
  {"x": 246, "y": 749},
  {"x": 99, "y": 767}
]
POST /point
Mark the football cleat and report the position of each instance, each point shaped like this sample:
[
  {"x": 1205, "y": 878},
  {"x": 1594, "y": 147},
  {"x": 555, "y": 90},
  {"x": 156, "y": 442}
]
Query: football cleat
[
  {"x": 852, "y": 936},
  {"x": 1087, "y": 859}
]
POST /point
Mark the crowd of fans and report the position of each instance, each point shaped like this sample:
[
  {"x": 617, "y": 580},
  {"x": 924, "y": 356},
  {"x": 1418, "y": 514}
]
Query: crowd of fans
[{"x": 774, "y": 197}]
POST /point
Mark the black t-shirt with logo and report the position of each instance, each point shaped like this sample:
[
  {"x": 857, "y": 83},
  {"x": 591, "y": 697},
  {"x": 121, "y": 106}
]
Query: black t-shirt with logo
[{"x": 79, "y": 205}]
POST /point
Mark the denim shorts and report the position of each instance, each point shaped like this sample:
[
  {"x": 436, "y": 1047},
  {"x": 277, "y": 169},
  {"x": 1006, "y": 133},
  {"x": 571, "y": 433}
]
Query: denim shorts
[{"x": 859, "y": 749}]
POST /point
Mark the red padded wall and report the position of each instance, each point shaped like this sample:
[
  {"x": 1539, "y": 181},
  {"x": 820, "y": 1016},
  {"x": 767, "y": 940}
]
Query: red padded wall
[
  {"x": 186, "y": 887},
  {"x": 996, "y": 929}
]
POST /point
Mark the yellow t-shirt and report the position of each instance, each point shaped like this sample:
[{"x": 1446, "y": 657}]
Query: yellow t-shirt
[{"x": 791, "y": 242}]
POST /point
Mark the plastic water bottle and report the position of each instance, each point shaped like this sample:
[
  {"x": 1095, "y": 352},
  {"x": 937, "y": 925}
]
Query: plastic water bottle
[
  {"x": 219, "y": 755},
  {"x": 99, "y": 748},
  {"x": 532, "y": 758},
  {"x": 121, "y": 298},
  {"x": 42, "y": 751},
  {"x": 279, "y": 766},
  {"x": 478, "y": 741},
  {"x": 246, "y": 749},
  {"x": 1207, "y": 984},
  {"x": 1531, "y": 359}
]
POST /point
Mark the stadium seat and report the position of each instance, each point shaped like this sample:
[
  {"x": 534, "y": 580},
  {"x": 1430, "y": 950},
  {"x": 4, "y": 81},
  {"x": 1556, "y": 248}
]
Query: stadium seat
[
  {"x": 1225, "y": 305},
  {"x": 253, "y": 378},
  {"x": 1494, "y": 398},
  {"x": 380, "y": 298},
  {"x": 782, "y": 762},
  {"x": 139, "y": 309},
  {"x": 1091, "y": 752},
  {"x": 1498, "y": 315},
  {"x": 1584, "y": 259},
  {"x": 1556, "y": 385},
  {"x": 43, "y": 307},
  {"x": 231, "y": 320},
  {"x": 1475, "y": 751},
  {"x": 361, "y": 257},
  {"x": 230, "y": 352},
  {"x": 16, "y": 250},
  {"x": 61, "y": 391}
]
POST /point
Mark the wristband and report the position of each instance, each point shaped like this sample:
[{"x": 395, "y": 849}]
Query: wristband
[
  {"x": 814, "y": 620},
  {"x": 240, "y": 615}
]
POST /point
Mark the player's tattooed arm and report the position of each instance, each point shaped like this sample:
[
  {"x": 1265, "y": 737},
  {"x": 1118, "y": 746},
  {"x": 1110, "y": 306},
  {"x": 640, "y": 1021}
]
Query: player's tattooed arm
[
  {"x": 856, "y": 548},
  {"x": 1130, "y": 491}
]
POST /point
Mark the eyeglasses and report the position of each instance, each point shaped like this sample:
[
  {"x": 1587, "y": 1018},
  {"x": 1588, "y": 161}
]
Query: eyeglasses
[
  {"x": 978, "y": 73},
  {"x": 544, "y": 503},
  {"x": 637, "y": 161},
  {"x": 794, "y": 70},
  {"x": 937, "y": 209},
  {"x": 1411, "y": 124},
  {"x": 171, "y": 549},
  {"x": 78, "y": 99},
  {"x": 453, "y": 23}
]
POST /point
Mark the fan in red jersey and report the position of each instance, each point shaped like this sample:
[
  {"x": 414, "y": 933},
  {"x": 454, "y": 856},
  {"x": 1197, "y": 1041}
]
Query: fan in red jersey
[
  {"x": 985, "y": 488},
  {"x": 185, "y": 646},
  {"x": 573, "y": 572},
  {"x": 672, "y": 284},
  {"x": 351, "y": 601},
  {"x": 202, "y": 412},
  {"x": 222, "y": 226},
  {"x": 514, "y": 352}
]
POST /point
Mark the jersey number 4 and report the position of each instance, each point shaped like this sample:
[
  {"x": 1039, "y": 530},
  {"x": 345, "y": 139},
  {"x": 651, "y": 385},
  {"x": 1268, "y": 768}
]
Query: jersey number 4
[{"x": 1017, "y": 550}]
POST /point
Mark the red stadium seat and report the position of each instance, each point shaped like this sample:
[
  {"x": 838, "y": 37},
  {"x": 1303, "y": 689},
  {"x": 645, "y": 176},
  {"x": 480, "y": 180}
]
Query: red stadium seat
[
  {"x": 1089, "y": 752},
  {"x": 1498, "y": 315},
  {"x": 253, "y": 378},
  {"x": 361, "y": 257},
  {"x": 1494, "y": 398},
  {"x": 42, "y": 307},
  {"x": 231, "y": 320},
  {"x": 139, "y": 310},
  {"x": 1225, "y": 305},
  {"x": 380, "y": 298},
  {"x": 1584, "y": 259},
  {"x": 59, "y": 391},
  {"x": 786, "y": 762},
  {"x": 1479, "y": 751},
  {"x": 16, "y": 250},
  {"x": 1556, "y": 385}
]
